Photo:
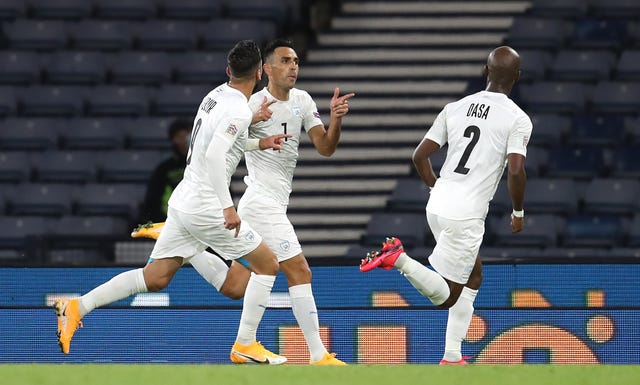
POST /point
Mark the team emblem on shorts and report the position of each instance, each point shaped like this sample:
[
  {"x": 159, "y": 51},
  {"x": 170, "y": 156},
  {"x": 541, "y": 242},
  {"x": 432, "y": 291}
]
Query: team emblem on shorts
[
  {"x": 284, "y": 245},
  {"x": 249, "y": 236}
]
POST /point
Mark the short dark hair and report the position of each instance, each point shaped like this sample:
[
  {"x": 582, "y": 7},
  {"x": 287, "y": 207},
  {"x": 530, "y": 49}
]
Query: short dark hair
[
  {"x": 244, "y": 59},
  {"x": 272, "y": 45},
  {"x": 179, "y": 125}
]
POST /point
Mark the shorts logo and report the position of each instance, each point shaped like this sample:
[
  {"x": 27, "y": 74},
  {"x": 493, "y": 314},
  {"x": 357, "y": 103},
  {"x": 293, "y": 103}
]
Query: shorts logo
[
  {"x": 284, "y": 245},
  {"x": 249, "y": 236},
  {"x": 232, "y": 130}
]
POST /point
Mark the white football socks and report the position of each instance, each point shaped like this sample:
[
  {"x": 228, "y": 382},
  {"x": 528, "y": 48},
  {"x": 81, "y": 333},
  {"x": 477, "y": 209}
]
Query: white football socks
[
  {"x": 255, "y": 303},
  {"x": 211, "y": 268},
  {"x": 119, "y": 287},
  {"x": 304, "y": 309},
  {"x": 429, "y": 283},
  {"x": 460, "y": 315}
]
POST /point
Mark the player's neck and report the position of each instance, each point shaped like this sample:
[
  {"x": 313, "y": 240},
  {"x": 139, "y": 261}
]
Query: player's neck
[
  {"x": 499, "y": 88},
  {"x": 246, "y": 87},
  {"x": 278, "y": 93}
]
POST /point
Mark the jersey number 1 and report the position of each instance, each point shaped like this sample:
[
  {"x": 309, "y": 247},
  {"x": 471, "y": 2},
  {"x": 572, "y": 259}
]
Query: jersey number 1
[{"x": 472, "y": 132}]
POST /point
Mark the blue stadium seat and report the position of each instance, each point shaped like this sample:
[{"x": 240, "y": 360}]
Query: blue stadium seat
[
  {"x": 553, "y": 8},
  {"x": 39, "y": 199},
  {"x": 550, "y": 129},
  {"x": 611, "y": 196},
  {"x": 598, "y": 33},
  {"x": 149, "y": 134},
  {"x": 632, "y": 130},
  {"x": 64, "y": 167},
  {"x": 593, "y": 231},
  {"x": 91, "y": 232},
  {"x": 95, "y": 34},
  {"x": 93, "y": 133},
  {"x": 29, "y": 134},
  {"x": 274, "y": 10},
  {"x": 633, "y": 33},
  {"x": 190, "y": 9},
  {"x": 551, "y": 196},
  {"x": 540, "y": 230},
  {"x": 582, "y": 65},
  {"x": 222, "y": 34},
  {"x": 12, "y": 9},
  {"x": 614, "y": 8},
  {"x": 625, "y": 162},
  {"x": 409, "y": 195},
  {"x": 166, "y": 35},
  {"x": 627, "y": 68},
  {"x": 18, "y": 232},
  {"x": 31, "y": 34},
  {"x": 534, "y": 63},
  {"x": 535, "y": 161},
  {"x": 76, "y": 67},
  {"x": 8, "y": 101},
  {"x": 19, "y": 67},
  {"x": 546, "y": 96},
  {"x": 633, "y": 238},
  {"x": 616, "y": 97},
  {"x": 60, "y": 9},
  {"x": 128, "y": 166},
  {"x": 200, "y": 67},
  {"x": 411, "y": 228},
  {"x": 14, "y": 167},
  {"x": 536, "y": 32},
  {"x": 601, "y": 129},
  {"x": 118, "y": 101},
  {"x": 104, "y": 199},
  {"x": 575, "y": 162},
  {"x": 53, "y": 101},
  {"x": 140, "y": 68},
  {"x": 125, "y": 9},
  {"x": 179, "y": 100}
]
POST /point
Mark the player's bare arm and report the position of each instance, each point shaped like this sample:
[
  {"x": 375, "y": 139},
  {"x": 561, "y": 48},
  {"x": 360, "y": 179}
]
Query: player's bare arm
[
  {"x": 326, "y": 141},
  {"x": 422, "y": 163},
  {"x": 516, "y": 182}
]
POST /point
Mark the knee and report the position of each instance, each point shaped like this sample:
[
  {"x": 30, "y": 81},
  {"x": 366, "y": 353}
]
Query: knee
[
  {"x": 301, "y": 274},
  {"x": 233, "y": 292},
  {"x": 268, "y": 267},
  {"x": 475, "y": 280},
  {"x": 157, "y": 283}
]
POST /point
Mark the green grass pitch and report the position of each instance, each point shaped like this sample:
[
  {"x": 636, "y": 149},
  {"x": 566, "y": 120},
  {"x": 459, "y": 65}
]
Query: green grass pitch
[{"x": 102, "y": 374}]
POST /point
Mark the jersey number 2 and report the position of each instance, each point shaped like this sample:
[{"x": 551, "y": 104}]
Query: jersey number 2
[
  {"x": 472, "y": 132},
  {"x": 193, "y": 139}
]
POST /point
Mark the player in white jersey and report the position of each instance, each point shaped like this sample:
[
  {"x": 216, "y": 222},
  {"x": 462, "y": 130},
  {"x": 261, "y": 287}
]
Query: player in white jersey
[
  {"x": 485, "y": 132},
  {"x": 201, "y": 214},
  {"x": 279, "y": 109}
]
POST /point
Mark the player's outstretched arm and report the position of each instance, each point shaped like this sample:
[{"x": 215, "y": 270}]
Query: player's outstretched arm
[
  {"x": 326, "y": 141},
  {"x": 516, "y": 182}
]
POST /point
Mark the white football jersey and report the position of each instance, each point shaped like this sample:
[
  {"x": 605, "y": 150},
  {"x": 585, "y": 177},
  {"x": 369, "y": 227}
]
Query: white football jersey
[
  {"x": 272, "y": 171},
  {"x": 223, "y": 117},
  {"x": 480, "y": 129}
]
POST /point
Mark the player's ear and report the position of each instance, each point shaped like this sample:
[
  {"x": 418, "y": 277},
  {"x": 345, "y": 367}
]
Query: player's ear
[
  {"x": 485, "y": 71},
  {"x": 228, "y": 71}
]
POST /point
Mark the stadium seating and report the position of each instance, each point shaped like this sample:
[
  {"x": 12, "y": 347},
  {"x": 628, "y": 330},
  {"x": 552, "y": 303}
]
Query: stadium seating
[
  {"x": 33, "y": 134},
  {"x": 582, "y": 65},
  {"x": 409, "y": 195},
  {"x": 107, "y": 35},
  {"x": 167, "y": 35},
  {"x": 190, "y": 9},
  {"x": 19, "y": 67},
  {"x": 60, "y": 9},
  {"x": 593, "y": 231},
  {"x": 118, "y": 101},
  {"x": 75, "y": 67},
  {"x": 93, "y": 134},
  {"x": 409, "y": 227},
  {"x": 627, "y": 68},
  {"x": 140, "y": 68},
  {"x": 63, "y": 167},
  {"x": 61, "y": 101},
  {"x": 541, "y": 230},
  {"x": 611, "y": 196},
  {"x": 551, "y": 196},
  {"x": 39, "y": 199},
  {"x": 26, "y": 34},
  {"x": 14, "y": 167}
]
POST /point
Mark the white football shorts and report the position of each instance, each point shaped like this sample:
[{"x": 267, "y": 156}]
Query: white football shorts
[
  {"x": 269, "y": 219},
  {"x": 457, "y": 246},
  {"x": 185, "y": 235}
]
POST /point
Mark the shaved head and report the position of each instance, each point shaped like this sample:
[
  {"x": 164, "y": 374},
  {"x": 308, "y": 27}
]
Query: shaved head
[{"x": 502, "y": 69}]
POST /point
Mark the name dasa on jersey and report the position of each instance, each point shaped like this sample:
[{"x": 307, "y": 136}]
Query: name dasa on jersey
[{"x": 478, "y": 111}]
